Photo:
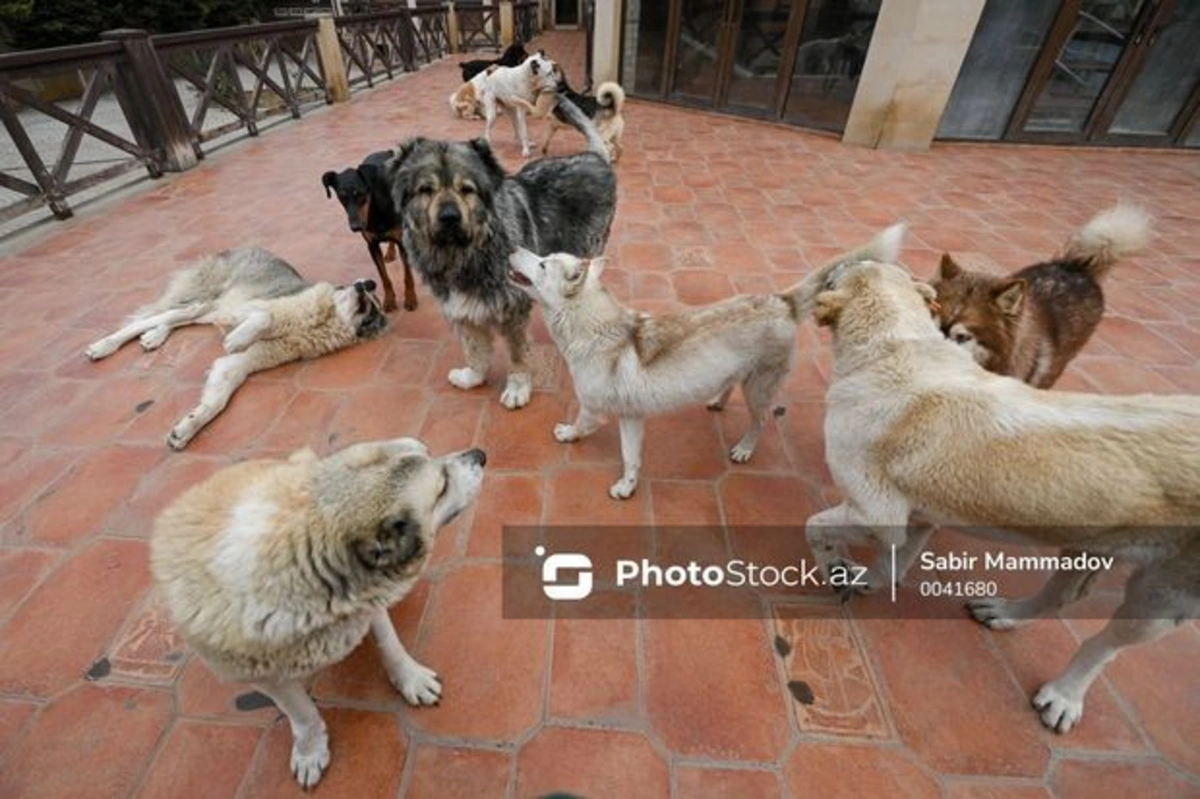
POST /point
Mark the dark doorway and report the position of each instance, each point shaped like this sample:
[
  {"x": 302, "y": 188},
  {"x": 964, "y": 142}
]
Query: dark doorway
[{"x": 567, "y": 13}]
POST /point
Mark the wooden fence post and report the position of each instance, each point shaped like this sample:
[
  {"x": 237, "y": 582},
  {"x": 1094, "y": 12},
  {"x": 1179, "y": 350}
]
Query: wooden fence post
[
  {"x": 155, "y": 113},
  {"x": 452, "y": 28},
  {"x": 506, "y": 23},
  {"x": 329, "y": 51}
]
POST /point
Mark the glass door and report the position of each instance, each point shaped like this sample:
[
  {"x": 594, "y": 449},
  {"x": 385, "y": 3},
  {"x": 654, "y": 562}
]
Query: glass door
[{"x": 1113, "y": 70}]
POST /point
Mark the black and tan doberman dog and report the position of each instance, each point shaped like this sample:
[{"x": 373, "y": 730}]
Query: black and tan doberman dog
[{"x": 366, "y": 194}]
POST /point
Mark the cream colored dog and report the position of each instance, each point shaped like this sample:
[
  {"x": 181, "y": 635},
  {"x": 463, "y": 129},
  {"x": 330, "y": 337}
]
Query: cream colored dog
[
  {"x": 273, "y": 570},
  {"x": 914, "y": 426},
  {"x": 631, "y": 365},
  {"x": 273, "y": 315}
]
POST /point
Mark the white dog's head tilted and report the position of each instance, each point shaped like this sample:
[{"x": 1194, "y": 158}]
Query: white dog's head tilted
[{"x": 556, "y": 279}]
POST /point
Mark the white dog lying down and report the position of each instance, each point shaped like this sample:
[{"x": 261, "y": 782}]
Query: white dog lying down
[
  {"x": 276, "y": 317},
  {"x": 914, "y": 425},
  {"x": 632, "y": 365}
]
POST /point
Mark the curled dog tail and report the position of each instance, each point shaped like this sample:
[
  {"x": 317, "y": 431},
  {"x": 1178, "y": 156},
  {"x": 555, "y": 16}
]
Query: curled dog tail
[
  {"x": 1108, "y": 237},
  {"x": 610, "y": 95},
  {"x": 580, "y": 122},
  {"x": 885, "y": 247}
]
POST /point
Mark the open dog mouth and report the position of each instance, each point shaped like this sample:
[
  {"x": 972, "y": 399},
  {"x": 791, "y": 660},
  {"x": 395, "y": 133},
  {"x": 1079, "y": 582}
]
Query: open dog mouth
[{"x": 519, "y": 278}]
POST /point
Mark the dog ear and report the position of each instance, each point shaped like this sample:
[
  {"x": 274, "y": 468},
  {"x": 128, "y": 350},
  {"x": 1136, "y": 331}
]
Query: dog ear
[
  {"x": 594, "y": 267},
  {"x": 329, "y": 180},
  {"x": 533, "y": 66},
  {"x": 403, "y": 150},
  {"x": 1009, "y": 297},
  {"x": 929, "y": 294},
  {"x": 828, "y": 307},
  {"x": 397, "y": 541},
  {"x": 484, "y": 151},
  {"x": 948, "y": 269}
]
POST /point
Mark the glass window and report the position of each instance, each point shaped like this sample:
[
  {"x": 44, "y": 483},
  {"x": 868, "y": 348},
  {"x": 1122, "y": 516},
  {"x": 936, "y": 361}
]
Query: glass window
[
  {"x": 1167, "y": 76},
  {"x": 993, "y": 74},
  {"x": 643, "y": 57},
  {"x": 829, "y": 60}
]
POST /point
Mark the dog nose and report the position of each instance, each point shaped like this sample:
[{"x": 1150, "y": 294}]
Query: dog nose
[
  {"x": 478, "y": 456},
  {"x": 448, "y": 214},
  {"x": 356, "y": 226}
]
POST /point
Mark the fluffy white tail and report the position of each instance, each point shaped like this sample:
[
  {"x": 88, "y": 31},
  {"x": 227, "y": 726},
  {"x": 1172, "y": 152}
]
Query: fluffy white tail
[
  {"x": 1109, "y": 236},
  {"x": 885, "y": 248},
  {"x": 611, "y": 95}
]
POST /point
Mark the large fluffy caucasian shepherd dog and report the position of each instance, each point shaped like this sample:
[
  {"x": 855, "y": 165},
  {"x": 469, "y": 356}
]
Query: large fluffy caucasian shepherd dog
[
  {"x": 463, "y": 216},
  {"x": 273, "y": 570}
]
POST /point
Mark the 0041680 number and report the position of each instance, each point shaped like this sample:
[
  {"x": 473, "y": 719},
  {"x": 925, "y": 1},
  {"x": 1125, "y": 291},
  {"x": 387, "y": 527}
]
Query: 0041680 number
[{"x": 958, "y": 588}]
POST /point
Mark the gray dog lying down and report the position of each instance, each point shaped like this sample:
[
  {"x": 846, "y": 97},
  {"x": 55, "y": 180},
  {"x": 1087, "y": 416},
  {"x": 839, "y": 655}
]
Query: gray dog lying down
[
  {"x": 275, "y": 316},
  {"x": 632, "y": 365}
]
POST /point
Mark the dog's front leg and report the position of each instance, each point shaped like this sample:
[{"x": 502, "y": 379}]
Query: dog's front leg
[
  {"x": 828, "y": 534},
  {"x": 226, "y": 374},
  {"x": 249, "y": 331},
  {"x": 585, "y": 424},
  {"x": 389, "y": 293},
  {"x": 632, "y": 430},
  {"x": 518, "y": 388},
  {"x": 419, "y": 685},
  {"x": 489, "y": 115},
  {"x": 551, "y": 129},
  {"x": 310, "y": 740},
  {"x": 476, "y": 344}
]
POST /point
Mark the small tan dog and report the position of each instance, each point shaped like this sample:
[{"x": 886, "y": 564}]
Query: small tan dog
[
  {"x": 1030, "y": 324},
  {"x": 274, "y": 317},
  {"x": 273, "y": 570},
  {"x": 632, "y": 365},
  {"x": 914, "y": 425}
]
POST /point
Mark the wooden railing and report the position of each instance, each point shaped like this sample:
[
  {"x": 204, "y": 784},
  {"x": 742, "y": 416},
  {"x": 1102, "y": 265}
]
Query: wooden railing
[
  {"x": 158, "y": 102},
  {"x": 525, "y": 20},
  {"x": 478, "y": 26}
]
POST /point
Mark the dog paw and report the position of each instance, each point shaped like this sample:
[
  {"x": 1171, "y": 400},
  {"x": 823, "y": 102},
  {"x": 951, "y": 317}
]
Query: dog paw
[
  {"x": 1059, "y": 711},
  {"x": 565, "y": 433},
  {"x": 849, "y": 578},
  {"x": 101, "y": 349},
  {"x": 309, "y": 762},
  {"x": 410, "y": 304},
  {"x": 517, "y": 392},
  {"x": 180, "y": 435},
  {"x": 154, "y": 338},
  {"x": 740, "y": 453},
  {"x": 995, "y": 613},
  {"x": 419, "y": 685},
  {"x": 465, "y": 378},
  {"x": 715, "y": 404},
  {"x": 389, "y": 305},
  {"x": 232, "y": 342},
  {"x": 623, "y": 488}
]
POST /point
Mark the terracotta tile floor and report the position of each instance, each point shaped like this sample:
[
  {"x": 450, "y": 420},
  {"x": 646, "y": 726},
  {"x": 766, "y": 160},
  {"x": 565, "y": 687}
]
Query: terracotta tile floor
[{"x": 98, "y": 699}]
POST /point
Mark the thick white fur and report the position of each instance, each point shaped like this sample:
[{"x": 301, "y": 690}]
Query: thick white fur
[
  {"x": 631, "y": 365},
  {"x": 914, "y": 426}
]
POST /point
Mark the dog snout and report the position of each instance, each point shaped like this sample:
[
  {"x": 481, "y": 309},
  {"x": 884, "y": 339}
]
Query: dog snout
[
  {"x": 477, "y": 457},
  {"x": 448, "y": 214},
  {"x": 356, "y": 225}
]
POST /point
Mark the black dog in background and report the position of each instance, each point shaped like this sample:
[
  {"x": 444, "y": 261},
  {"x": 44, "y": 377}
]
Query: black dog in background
[
  {"x": 366, "y": 194},
  {"x": 513, "y": 56}
]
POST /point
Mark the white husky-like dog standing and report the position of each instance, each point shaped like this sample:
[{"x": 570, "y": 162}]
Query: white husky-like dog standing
[{"x": 632, "y": 365}]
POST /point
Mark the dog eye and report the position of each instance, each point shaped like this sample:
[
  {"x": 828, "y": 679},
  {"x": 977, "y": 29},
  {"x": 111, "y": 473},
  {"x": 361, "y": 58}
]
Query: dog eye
[
  {"x": 961, "y": 336},
  {"x": 468, "y": 189},
  {"x": 425, "y": 188}
]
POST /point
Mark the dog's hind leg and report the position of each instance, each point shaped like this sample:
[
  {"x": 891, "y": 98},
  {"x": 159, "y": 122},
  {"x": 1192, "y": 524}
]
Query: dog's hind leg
[
  {"x": 226, "y": 374},
  {"x": 1158, "y": 599},
  {"x": 522, "y": 130},
  {"x": 518, "y": 388},
  {"x": 632, "y": 430},
  {"x": 759, "y": 389},
  {"x": 153, "y": 329},
  {"x": 310, "y": 739},
  {"x": 1063, "y": 588},
  {"x": 476, "y": 344},
  {"x": 551, "y": 129},
  {"x": 419, "y": 685}
]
